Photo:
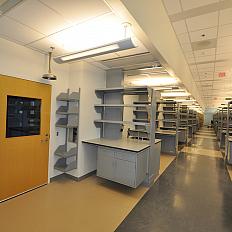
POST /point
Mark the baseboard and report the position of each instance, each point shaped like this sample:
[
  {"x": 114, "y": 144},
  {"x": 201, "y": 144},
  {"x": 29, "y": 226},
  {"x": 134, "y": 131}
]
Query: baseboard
[
  {"x": 66, "y": 175},
  {"x": 22, "y": 193}
]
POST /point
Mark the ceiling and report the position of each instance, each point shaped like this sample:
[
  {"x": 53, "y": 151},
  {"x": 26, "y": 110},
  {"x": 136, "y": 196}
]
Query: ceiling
[
  {"x": 204, "y": 31},
  {"x": 37, "y": 24}
]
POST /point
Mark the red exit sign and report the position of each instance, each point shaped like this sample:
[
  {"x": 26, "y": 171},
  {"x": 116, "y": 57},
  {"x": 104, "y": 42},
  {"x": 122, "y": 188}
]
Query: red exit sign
[{"x": 221, "y": 74}]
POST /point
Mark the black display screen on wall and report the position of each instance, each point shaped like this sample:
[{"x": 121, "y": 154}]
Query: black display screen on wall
[{"x": 23, "y": 116}]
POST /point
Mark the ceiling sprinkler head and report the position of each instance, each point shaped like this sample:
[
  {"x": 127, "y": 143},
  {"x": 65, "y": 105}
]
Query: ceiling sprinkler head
[{"x": 49, "y": 76}]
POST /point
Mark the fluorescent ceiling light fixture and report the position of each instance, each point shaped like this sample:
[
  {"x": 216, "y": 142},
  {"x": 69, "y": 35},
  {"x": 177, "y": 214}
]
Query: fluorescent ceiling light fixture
[
  {"x": 175, "y": 94},
  {"x": 151, "y": 68},
  {"x": 184, "y": 100},
  {"x": 108, "y": 48},
  {"x": 155, "y": 81},
  {"x": 96, "y": 32}
]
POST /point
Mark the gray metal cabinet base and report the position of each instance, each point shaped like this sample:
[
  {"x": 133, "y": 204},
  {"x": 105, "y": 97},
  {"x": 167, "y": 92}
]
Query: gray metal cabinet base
[
  {"x": 168, "y": 144},
  {"x": 229, "y": 156},
  {"x": 121, "y": 166}
]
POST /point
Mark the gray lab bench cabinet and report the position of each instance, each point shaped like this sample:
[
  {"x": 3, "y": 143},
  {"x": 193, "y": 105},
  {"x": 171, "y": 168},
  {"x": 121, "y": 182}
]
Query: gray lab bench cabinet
[{"x": 121, "y": 166}]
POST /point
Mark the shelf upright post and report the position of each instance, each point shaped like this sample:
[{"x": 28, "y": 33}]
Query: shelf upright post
[
  {"x": 177, "y": 125},
  {"x": 153, "y": 158},
  {"x": 227, "y": 130},
  {"x": 66, "y": 129}
]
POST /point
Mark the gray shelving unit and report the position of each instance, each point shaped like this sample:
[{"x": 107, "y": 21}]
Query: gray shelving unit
[
  {"x": 228, "y": 136},
  {"x": 168, "y": 119},
  {"x": 69, "y": 120},
  {"x": 118, "y": 158}
]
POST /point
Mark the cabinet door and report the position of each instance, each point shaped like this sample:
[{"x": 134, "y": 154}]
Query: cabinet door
[
  {"x": 105, "y": 164},
  {"x": 125, "y": 172}
]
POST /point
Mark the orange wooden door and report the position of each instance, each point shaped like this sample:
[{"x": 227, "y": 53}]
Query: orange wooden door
[{"x": 23, "y": 159}]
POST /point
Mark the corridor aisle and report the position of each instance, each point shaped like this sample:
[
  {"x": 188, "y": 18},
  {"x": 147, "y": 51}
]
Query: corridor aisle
[{"x": 193, "y": 195}]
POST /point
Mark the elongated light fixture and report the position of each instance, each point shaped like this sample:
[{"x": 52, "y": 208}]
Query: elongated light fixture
[{"x": 107, "y": 48}]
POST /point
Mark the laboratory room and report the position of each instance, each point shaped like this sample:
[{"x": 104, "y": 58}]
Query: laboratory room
[{"x": 116, "y": 115}]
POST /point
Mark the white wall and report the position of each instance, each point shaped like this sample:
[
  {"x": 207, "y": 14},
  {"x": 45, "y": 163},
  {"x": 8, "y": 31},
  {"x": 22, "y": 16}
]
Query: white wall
[
  {"x": 88, "y": 78},
  {"x": 18, "y": 61},
  {"x": 208, "y": 115}
]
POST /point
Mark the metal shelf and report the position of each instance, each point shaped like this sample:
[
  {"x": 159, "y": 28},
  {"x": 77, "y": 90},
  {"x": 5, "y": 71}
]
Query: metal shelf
[
  {"x": 61, "y": 151},
  {"x": 61, "y": 165},
  {"x": 73, "y": 97},
  {"x": 63, "y": 110},
  {"x": 121, "y": 105},
  {"x": 121, "y": 122}
]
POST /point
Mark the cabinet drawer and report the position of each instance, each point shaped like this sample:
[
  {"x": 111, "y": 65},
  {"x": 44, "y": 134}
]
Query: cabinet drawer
[
  {"x": 105, "y": 151},
  {"x": 126, "y": 155}
]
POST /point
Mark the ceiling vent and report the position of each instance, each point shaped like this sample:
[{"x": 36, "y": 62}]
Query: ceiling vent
[
  {"x": 205, "y": 44},
  {"x": 6, "y": 5}
]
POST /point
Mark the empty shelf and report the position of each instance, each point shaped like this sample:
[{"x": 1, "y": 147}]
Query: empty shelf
[
  {"x": 120, "y": 105},
  {"x": 63, "y": 122},
  {"x": 62, "y": 166},
  {"x": 63, "y": 110},
  {"x": 122, "y": 122},
  {"x": 141, "y": 120},
  {"x": 62, "y": 152},
  {"x": 142, "y": 102},
  {"x": 68, "y": 97},
  {"x": 140, "y": 111}
]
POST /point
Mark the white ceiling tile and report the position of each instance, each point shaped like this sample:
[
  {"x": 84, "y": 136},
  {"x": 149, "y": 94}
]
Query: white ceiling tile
[
  {"x": 206, "y": 67},
  {"x": 186, "y": 47},
  {"x": 221, "y": 69},
  {"x": 17, "y": 32},
  {"x": 204, "y": 34},
  {"x": 39, "y": 17},
  {"x": 225, "y": 30},
  {"x": 224, "y": 49},
  {"x": 205, "y": 52},
  {"x": 208, "y": 78},
  {"x": 180, "y": 27},
  {"x": 224, "y": 56},
  {"x": 78, "y": 10},
  {"x": 202, "y": 21},
  {"x": 45, "y": 44},
  {"x": 204, "y": 58},
  {"x": 132, "y": 51},
  {"x": 172, "y": 6},
  {"x": 202, "y": 73},
  {"x": 190, "y": 60},
  {"x": 223, "y": 64},
  {"x": 190, "y": 4},
  {"x": 225, "y": 41},
  {"x": 129, "y": 61},
  {"x": 100, "y": 65},
  {"x": 189, "y": 54},
  {"x": 183, "y": 38},
  {"x": 193, "y": 67},
  {"x": 225, "y": 16},
  {"x": 105, "y": 57}
]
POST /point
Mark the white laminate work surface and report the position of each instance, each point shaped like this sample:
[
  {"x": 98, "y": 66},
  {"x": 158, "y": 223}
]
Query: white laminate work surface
[
  {"x": 124, "y": 144},
  {"x": 166, "y": 132}
]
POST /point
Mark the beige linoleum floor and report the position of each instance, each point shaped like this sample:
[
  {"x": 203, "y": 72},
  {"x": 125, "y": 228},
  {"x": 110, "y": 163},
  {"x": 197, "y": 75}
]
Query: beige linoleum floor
[{"x": 91, "y": 205}]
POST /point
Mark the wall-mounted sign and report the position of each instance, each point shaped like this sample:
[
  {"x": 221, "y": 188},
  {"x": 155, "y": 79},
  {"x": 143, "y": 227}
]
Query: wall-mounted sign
[{"x": 221, "y": 74}]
